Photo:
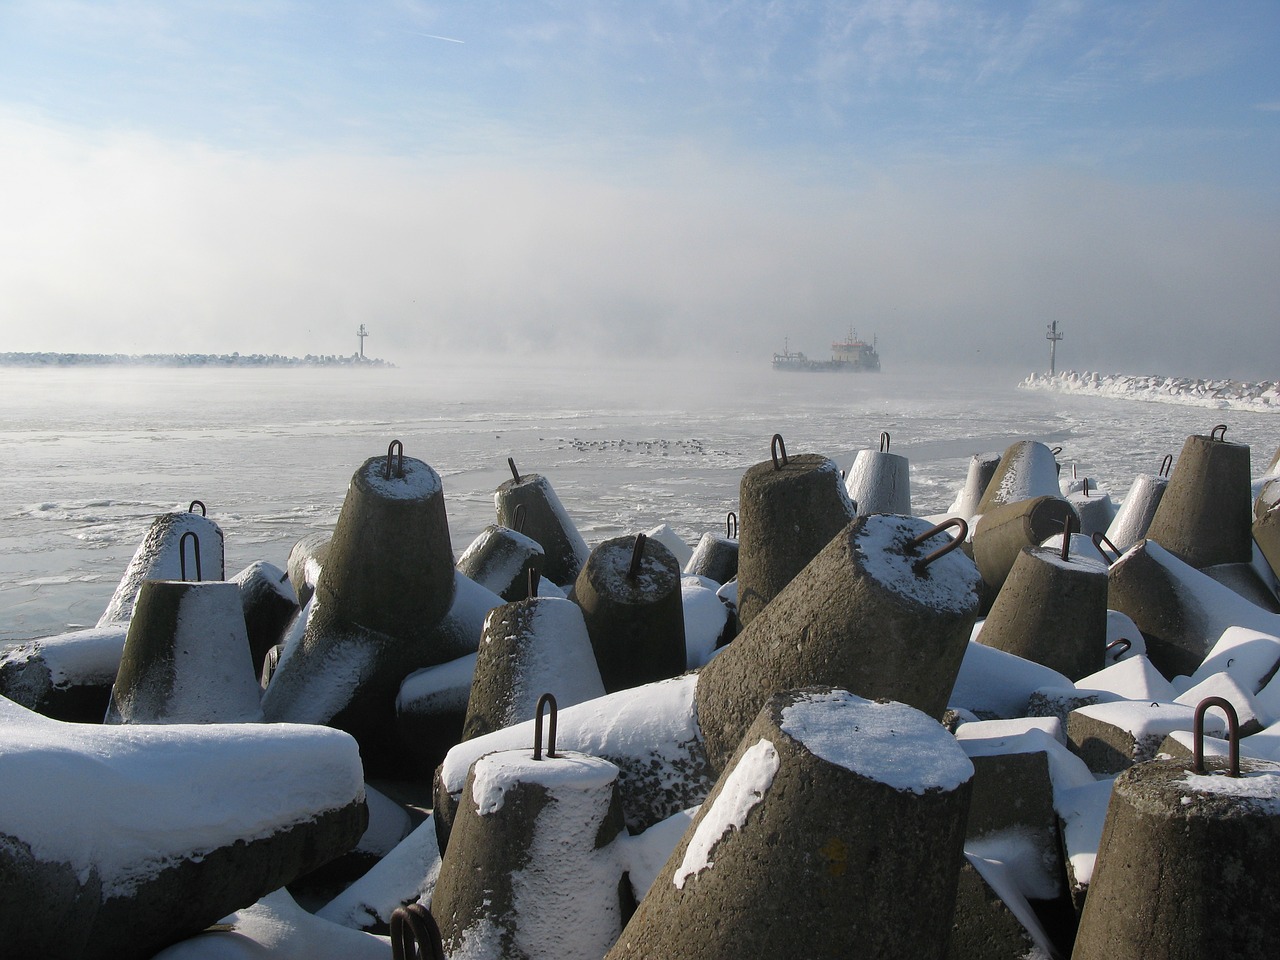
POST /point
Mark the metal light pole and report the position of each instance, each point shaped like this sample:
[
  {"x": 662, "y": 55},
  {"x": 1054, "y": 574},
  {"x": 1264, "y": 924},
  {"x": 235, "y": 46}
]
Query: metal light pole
[
  {"x": 1053, "y": 336},
  {"x": 362, "y": 333}
]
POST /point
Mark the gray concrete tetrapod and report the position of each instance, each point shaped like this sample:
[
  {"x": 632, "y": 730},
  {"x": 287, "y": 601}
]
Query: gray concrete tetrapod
[
  {"x": 1002, "y": 533},
  {"x": 529, "y": 871},
  {"x": 500, "y": 559},
  {"x": 306, "y": 560},
  {"x": 821, "y": 839},
  {"x": 1266, "y": 524},
  {"x": 789, "y": 508},
  {"x": 167, "y": 553},
  {"x": 715, "y": 557},
  {"x": 543, "y": 519},
  {"x": 982, "y": 467},
  {"x": 1052, "y": 611},
  {"x": 1186, "y": 865},
  {"x": 880, "y": 482},
  {"x": 186, "y": 657},
  {"x": 269, "y": 604},
  {"x": 868, "y": 614},
  {"x": 629, "y": 592},
  {"x": 387, "y": 582},
  {"x": 1205, "y": 516},
  {"x": 1133, "y": 519},
  {"x": 527, "y": 649},
  {"x": 1027, "y": 469}
]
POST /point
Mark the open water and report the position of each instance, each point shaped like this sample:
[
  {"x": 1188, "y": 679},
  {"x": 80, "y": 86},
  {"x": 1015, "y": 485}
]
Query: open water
[{"x": 89, "y": 455}]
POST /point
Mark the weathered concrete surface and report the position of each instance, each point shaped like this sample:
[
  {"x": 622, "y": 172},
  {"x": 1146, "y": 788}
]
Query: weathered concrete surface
[
  {"x": 787, "y": 515},
  {"x": 269, "y": 605},
  {"x": 861, "y": 616},
  {"x": 1027, "y": 469},
  {"x": 159, "y": 557},
  {"x": 1184, "y": 871},
  {"x": 1205, "y": 515},
  {"x": 1000, "y": 535},
  {"x": 545, "y": 521},
  {"x": 501, "y": 560}
]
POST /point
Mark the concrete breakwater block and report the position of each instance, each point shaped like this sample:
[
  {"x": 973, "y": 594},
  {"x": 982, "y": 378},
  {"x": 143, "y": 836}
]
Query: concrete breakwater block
[
  {"x": 66, "y": 677},
  {"x": 269, "y": 605},
  {"x": 431, "y": 708},
  {"x": 186, "y": 657},
  {"x": 1205, "y": 515},
  {"x": 1133, "y": 517},
  {"x": 1186, "y": 865},
  {"x": 982, "y": 467},
  {"x": 1180, "y": 611},
  {"x": 789, "y": 509},
  {"x": 1266, "y": 525},
  {"x": 386, "y": 584},
  {"x": 629, "y": 594},
  {"x": 529, "y": 648},
  {"x": 715, "y": 557},
  {"x": 544, "y": 520},
  {"x": 530, "y": 870},
  {"x": 501, "y": 560},
  {"x": 1001, "y": 534},
  {"x": 1027, "y": 469},
  {"x": 160, "y": 557},
  {"x": 880, "y": 481},
  {"x": 868, "y": 614},
  {"x": 992, "y": 920},
  {"x": 835, "y": 831},
  {"x": 1111, "y": 737},
  {"x": 116, "y": 841},
  {"x": 306, "y": 560},
  {"x": 650, "y": 733},
  {"x": 1053, "y": 611}
]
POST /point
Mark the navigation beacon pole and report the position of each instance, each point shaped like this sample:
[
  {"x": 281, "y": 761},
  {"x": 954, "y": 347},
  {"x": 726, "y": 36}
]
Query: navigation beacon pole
[
  {"x": 362, "y": 333},
  {"x": 1053, "y": 336}
]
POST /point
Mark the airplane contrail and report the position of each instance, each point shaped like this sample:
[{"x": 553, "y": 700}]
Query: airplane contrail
[{"x": 434, "y": 36}]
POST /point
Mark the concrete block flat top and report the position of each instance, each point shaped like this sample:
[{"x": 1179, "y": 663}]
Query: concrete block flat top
[{"x": 947, "y": 584}]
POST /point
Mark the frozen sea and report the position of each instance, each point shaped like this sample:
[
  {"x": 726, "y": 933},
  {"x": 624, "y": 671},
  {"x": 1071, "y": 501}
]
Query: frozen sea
[{"x": 91, "y": 454}]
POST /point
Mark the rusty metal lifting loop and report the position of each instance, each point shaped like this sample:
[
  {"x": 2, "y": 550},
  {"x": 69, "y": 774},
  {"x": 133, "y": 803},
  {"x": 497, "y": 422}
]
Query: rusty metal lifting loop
[
  {"x": 1124, "y": 643},
  {"x": 1084, "y": 486},
  {"x": 182, "y": 554},
  {"x": 1219, "y": 433},
  {"x": 548, "y": 701},
  {"x": 1233, "y": 735},
  {"x": 1068, "y": 525},
  {"x": 637, "y": 554},
  {"x": 519, "y": 518},
  {"x": 1055, "y": 450},
  {"x": 776, "y": 445},
  {"x": 395, "y": 449},
  {"x": 200, "y": 504},
  {"x": 731, "y": 526},
  {"x": 413, "y": 927},
  {"x": 511, "y": 462},
  {"x": 534, "y": 578},
  {"x": 1166, "y": 465},
  {"x": 1099, "y": 538},
  {"x": 942, "y": 551},
  {"x": 884, "y": 441}
]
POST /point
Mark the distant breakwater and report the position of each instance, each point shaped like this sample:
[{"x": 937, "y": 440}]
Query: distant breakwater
[
  {"x": 1223, "y": 394},
  {"x": 185, "y": 360}
]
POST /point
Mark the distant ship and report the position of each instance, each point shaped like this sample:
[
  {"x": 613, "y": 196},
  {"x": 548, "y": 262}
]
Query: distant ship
[{"x": 850, "y": 355}]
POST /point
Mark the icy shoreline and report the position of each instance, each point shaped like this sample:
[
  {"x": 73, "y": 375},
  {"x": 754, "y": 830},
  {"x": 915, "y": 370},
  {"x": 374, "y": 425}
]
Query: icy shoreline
[
  {"x": 1263, "y": 396},
  {"x": 184, "y": 360}
]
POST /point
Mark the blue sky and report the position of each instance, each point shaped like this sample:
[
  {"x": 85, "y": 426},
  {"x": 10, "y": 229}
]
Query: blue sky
[{"x": 707, "y": 178}]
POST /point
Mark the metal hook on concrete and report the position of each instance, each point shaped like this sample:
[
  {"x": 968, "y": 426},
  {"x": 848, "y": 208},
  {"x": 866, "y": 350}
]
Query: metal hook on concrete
[
  {"x": 1219, "y": 433},
  {"x": 1166, "y": 465},
  {"x": 1068, "y": 524},
  {"x": 548, "y": 701},
  {"x": 637, "y": 554},
  {"x": 534, "y": 578},
  {"x": 942, "y": 551},
  {"x": 1084, "y": 486},
  {"x": 182, "y": 553},
  {"x": 1099, "y": 538},
  {"x": 1125, "y": 644},
  {"x": 731, "y": 526},
  {"x": 884, "y": 441},
  {"x": 200, "y": 504},
  {"x": 413, "y": 927},
  {"x": 1055, "y": 450},
  {"x": 511, "y": 462},
  {"x": 1233, "y": 735},
  {"x": 395, "y": 452},
  {"x": 775, "y": 446},
  {"x": 518, "y": 519}
]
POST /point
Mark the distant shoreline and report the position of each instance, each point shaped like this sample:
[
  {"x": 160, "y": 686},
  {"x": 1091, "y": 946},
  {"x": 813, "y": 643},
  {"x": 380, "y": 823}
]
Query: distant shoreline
[
  {"x": 1222, "y": 394},
  {"x": 185, "y": 360}
]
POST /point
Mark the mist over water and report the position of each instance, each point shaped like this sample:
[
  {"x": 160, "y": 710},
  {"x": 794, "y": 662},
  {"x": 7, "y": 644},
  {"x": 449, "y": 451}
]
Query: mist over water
[{"x": 90, "y": 455}]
